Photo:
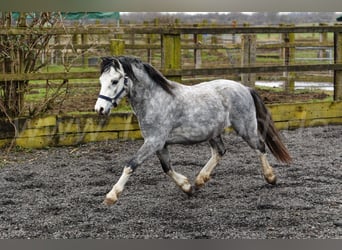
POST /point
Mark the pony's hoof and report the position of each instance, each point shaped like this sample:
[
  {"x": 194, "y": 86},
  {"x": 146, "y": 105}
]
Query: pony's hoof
[
  {"x": 190, "y": 192},
  {"x": 200, "y": 181},
  {"x": 108, "y": 201},
  {"x": 198, "y": 186},
  {"x": 271, "y": 179}
]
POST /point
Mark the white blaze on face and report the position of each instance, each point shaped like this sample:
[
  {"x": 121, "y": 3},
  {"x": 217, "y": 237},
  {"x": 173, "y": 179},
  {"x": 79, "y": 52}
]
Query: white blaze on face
[{"x": 111, "y": 82}]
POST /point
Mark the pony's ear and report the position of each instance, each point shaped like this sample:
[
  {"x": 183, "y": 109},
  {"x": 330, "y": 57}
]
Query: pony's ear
[{"x": 103, "y": 58}]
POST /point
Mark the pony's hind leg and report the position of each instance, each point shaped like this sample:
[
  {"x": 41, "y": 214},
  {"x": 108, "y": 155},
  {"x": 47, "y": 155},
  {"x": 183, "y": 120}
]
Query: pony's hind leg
[
  {"x": 256, "y": 143},
  {"x": 250, "y": 134},
  {"x": 180, "y": 180},
  {"x": 270, "y": 177},
  {"x": 217, "y": 151}
]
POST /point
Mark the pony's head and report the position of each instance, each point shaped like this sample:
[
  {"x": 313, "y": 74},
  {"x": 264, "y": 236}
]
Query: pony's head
[
  {"x": 117, "y": 78},
  {"x": 114, "y": 85}
]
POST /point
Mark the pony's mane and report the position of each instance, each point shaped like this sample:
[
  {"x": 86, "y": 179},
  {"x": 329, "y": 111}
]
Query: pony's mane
[{"x": 128, "y": 61}]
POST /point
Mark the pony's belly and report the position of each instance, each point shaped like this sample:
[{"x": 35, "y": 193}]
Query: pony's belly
[{"x": 194, "y": 134}]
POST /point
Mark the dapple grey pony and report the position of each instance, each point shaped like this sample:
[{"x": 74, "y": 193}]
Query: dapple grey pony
[{"x": 170, "y": 113}]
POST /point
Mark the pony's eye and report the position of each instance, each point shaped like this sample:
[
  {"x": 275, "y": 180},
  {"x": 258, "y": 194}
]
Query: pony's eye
[{"x": 115, "y": 82}]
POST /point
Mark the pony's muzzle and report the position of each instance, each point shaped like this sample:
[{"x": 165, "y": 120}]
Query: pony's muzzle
[
  {"x": 102, "y": 107},
  {"x": 101, "y": 111},
  {"x": 104, "y": 112}
]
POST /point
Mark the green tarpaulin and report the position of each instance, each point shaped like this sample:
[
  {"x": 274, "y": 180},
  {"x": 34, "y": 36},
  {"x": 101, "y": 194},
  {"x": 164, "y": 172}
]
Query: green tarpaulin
[
  {"x": 78, "y": 15},
  {"x": 91, "y": 15}
]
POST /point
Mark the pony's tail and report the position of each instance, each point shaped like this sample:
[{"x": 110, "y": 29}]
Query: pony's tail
[{"x": 268, "y": 131}]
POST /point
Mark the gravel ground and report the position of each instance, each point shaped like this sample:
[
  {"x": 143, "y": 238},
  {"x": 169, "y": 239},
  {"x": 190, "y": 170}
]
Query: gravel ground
[{"x": 58, "y": 192}]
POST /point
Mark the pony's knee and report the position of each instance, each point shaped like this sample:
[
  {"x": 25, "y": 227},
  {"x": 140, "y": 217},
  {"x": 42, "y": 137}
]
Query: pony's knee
[{"x": 132, "y": 165}]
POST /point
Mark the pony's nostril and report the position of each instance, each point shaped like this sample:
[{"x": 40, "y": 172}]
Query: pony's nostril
[{"x": 101, "y": 111}]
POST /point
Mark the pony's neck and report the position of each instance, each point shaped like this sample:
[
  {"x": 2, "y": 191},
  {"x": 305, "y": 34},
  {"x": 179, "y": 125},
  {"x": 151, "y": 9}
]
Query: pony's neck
[{"x": 144, "y": 93}]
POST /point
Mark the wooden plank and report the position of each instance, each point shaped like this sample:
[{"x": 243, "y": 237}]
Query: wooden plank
[
  {"x": 260, "y": 45},
  {"x": 94, "y": 123},
  {"x": 289, "y": 58},
  {"x": 117, "y": 47},
  {"x": 87, "y": 128},
  {"x": 338, "y": 72},
  {"x": 248, "y": 58},
  {"x": 78, "y": 138},
  {"x": 91, "y": 124},
  {"x": 294, "y": 45},
  {"x": 231, "y": 30},
  {"x": 305, "y": 111},
  {"x": 178, "y": 72},
  {"x": 132, "y": 135},
  {"x": 37, "y": 132},
  {"x": 294, "y": 124},
  {"x": 171, "y": 54},
  {"x": 40, "y": 122},
  {"x": 49, "y": 76},
  {"x": 252, "y": 69},
  {"x": 36, "y": 141},
  {"x": 96, "y": 30},
  {"x": 167, "y": 29}
]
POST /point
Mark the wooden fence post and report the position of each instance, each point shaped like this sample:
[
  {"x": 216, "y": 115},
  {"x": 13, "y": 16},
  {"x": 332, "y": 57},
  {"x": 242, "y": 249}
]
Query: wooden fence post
[
  {"x": 198, "y": 40},
  {"x": 57, "y": 53},
  {"x": 84, "y": 41},
  {"x": 117, "y": 47},
  {"x": 248, "y": 57},
  {"x": 171, "y": 54},
  {"x": 338, "y": 59},
  {"x": 323, "y": 38},
  {"x": 150, "y": 39},
  {"x": 148, "y": 42},
  {"x": 289, "y": 56}
]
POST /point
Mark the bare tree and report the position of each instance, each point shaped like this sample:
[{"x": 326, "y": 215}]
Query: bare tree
[{"x": 21, "y": 54}]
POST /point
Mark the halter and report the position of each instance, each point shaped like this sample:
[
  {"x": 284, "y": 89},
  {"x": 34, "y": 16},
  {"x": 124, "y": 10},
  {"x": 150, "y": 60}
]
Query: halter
[{"x": 117, "y": 96}]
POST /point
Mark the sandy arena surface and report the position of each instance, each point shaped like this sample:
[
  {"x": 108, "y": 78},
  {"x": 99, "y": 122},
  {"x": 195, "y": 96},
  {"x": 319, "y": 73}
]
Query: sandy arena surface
[{"x": 58, "y": 192}]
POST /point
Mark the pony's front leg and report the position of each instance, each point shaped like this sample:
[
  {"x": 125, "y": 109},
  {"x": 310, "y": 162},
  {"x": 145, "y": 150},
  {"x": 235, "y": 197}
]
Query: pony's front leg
[
  {"x": 117, "y": 189},
  {"x": 147, "y": 149}
]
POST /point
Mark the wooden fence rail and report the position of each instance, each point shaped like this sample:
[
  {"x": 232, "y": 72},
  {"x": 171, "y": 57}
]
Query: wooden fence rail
[
  {"x": 175, "y": 29},
  {"x": 178, "y": 72}
]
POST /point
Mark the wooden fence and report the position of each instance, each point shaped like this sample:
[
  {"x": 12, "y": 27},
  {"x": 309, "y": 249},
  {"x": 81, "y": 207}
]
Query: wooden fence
[
  {"x": 170, "y": 42},
  {"x": 165, "y": 46},
  {"x": 66, "y": 130}
]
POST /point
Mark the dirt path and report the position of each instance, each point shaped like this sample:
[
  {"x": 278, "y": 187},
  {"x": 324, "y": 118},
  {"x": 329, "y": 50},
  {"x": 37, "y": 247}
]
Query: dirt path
[{"x": 57, "y": 192}]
